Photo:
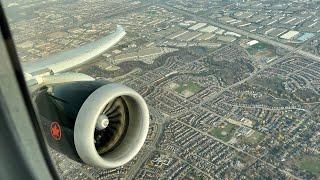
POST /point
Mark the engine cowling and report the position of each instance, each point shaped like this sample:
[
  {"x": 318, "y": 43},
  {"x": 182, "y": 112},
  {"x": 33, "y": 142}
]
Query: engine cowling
[{"x": 101, "y": 124}]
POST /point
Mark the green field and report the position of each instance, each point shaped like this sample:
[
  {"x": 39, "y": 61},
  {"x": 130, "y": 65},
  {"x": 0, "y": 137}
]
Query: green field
[
  {"x": 255, "y": 138},
  {"x": 190, "y": 86},
  {"x": 262, "y": 51},
  {"x": 224, "y": 133},
  {"x": 258, "y": 47},
  {"x": 310, "y": 164}
]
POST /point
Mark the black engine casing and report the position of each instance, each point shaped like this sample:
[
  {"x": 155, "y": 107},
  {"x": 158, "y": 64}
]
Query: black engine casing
[{"x": 60, "y": 104}]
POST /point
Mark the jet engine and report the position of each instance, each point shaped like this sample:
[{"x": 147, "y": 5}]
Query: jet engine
[{"x": 98, "y": 123}]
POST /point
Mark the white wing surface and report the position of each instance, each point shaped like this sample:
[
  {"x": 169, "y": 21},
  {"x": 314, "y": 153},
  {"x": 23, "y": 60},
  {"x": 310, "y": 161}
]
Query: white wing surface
[
  {"x": 61, "y": 62},
  {"x": 71, "y": 58}
]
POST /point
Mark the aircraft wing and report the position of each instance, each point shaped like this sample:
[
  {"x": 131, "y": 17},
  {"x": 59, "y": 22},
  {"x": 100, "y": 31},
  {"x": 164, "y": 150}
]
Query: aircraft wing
[
  {"x": 48, "y": 69},
  {"x": 74, "y": 57}
]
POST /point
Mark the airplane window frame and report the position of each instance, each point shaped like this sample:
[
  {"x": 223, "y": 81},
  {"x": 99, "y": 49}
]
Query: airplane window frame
[{"x": 18, "y": 120}]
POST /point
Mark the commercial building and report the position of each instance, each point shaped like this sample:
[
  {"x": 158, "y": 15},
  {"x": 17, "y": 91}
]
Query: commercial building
[
  {"x": 209, "y": 29},
  {"x": 197, "y": 26},
  {"x": 289, "y": 35},
  {"x": 305, "y": 37}
]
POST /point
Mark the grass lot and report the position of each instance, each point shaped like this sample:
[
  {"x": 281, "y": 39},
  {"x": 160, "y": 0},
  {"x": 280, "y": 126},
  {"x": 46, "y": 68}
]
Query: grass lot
[
  {"x": 191, "y": 86},
  {"x": 255, "y": 138},
  {"x": 224, "y": 133},
  {"x": 310, "y": 164},
  {"x": 258, "y": 47},
  {"x": 262, "y": 51}
]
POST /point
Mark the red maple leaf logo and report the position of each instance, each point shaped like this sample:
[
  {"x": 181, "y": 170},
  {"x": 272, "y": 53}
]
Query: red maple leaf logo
[{"x": 55, "y": 130}]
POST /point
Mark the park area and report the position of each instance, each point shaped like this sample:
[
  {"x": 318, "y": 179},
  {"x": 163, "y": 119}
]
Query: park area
[
  {"x": 224, "y": 131},
  {"x": 310, "y": 164},
  {"x": 185, "y": 89},
  {"x": 263, "y": 52}
]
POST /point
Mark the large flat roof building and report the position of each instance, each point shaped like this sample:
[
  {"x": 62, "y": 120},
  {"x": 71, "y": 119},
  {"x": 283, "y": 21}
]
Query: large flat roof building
[
  {"x": 209, "y": 29},
  {"x": 197, "y": 26},
  {"x": 289, "y": 35}
]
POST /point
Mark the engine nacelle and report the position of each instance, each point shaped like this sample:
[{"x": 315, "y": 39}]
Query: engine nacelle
[{"x": 99, "y": 123}]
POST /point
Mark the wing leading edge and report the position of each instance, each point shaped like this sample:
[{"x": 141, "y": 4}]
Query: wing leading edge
[{"x": 74, "y": 57}]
